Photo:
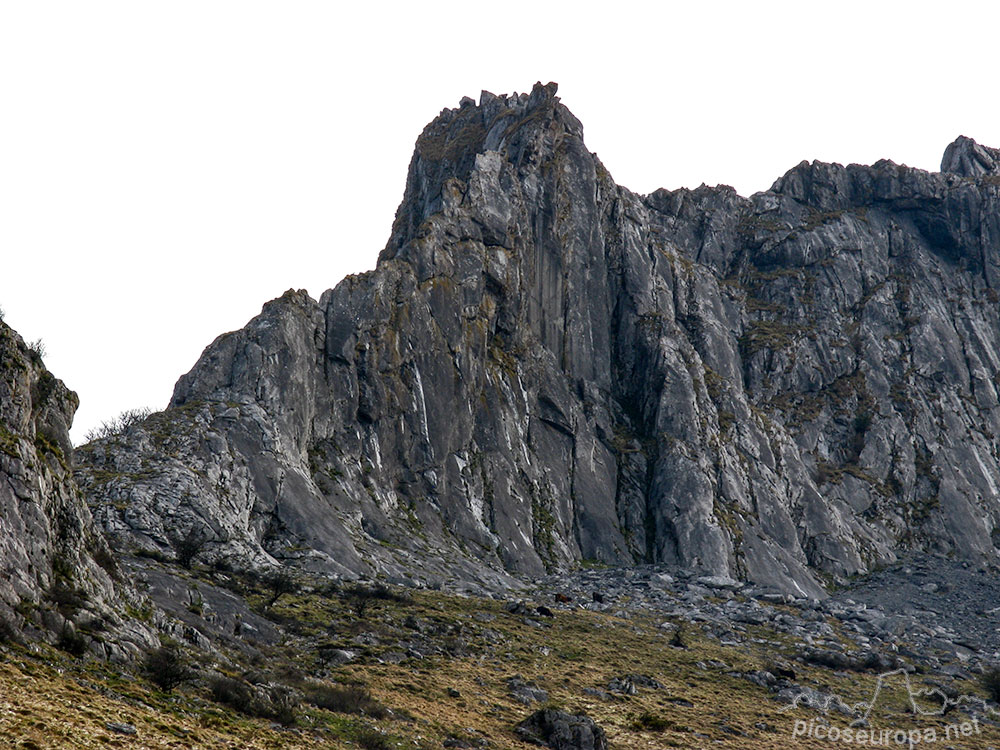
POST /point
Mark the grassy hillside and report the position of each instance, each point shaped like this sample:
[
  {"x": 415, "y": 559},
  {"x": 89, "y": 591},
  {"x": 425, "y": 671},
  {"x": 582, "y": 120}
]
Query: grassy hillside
[{"x": 432, "y": 670}]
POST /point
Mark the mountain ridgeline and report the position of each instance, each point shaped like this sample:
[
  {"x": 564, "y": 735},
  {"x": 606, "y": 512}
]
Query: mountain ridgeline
[{"x": 546, "y": 370}]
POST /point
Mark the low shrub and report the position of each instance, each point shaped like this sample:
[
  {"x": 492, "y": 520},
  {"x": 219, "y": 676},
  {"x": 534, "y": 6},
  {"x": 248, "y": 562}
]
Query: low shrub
[
  {"x": 360, "y": 597},
  {"x": 188, "y": 547},
  {"x": 9, "y": 632},
  {"x": 118, "y": 425},
  {"x": 67, "y": 598},
  {"x": 346, "y": 699},
  {"x": 372, "y": 739},
  {"x": 990, "y": 680},
  {"x": 649, "y": 722},
  {"x": 102, "y": 556},
  {"x": 72, "y": 642},
  {"x": 166, "y": 667},
  {"x": 37, "y": 349},
  {"x": 232, "y": 692},
  {"x": 277, "y": 702}
]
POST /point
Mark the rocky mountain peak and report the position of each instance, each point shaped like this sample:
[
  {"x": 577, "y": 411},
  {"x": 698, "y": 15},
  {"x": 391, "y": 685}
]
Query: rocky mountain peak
[
  {"x": 967, "y": 158},
  {"x": 521, "y": 129},
  {"x": 545, "y": 368}
]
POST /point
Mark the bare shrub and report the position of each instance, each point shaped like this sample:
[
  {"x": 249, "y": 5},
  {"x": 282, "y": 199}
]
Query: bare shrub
[
  {"x": 279, "y": 583},
  {"x": 188, "y": 547},
  {"x": 990, "y": 680},
  {"x": 346, "y": 699},
  {"x": 372, "y": 739},
  {"x": 360, "y": 597},
  {"x": 166, "y": 667},
  {"x": 277, "y": 702},
  {"x": 37, "y": 349},
  {"x": 118, "y": 425},
  {"x": 72, "y": 642}
]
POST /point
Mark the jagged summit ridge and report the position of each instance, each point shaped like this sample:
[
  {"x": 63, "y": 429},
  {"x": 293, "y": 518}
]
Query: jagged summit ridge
[{"x": 545, "y": 368}]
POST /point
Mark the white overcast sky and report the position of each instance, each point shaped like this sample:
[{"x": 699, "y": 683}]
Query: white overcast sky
[{"x": 167, "y": 167}]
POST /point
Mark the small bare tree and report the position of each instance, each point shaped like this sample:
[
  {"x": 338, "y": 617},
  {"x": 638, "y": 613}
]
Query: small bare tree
[
  {"x": 167, "y": 667},
  {"x": 188, "y": 547},
  {"x": 278, "y": 584},
  {"x": 361, "y": 598}
]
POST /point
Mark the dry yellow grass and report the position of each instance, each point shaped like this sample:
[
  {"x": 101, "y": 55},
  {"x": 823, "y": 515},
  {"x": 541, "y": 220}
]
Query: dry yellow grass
[{"x": 50, "y": 700}]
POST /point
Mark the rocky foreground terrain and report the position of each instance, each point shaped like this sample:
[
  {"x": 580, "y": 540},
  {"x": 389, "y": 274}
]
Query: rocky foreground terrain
[
  {"x": 646, "y": 657},
  {"x": 572, "y": 466}
]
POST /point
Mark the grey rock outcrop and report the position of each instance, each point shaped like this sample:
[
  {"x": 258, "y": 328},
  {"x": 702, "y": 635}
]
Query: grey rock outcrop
[
  {"x": 969, "y": 159},
  {"x": 560, "y": 730},
  {"x": 545, "y": 368},
  {"x": 59, "y": 576}
]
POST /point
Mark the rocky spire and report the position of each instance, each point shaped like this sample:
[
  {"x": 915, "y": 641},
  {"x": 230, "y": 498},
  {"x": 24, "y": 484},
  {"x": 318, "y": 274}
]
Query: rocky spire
[{"x": 448, "y": 147}]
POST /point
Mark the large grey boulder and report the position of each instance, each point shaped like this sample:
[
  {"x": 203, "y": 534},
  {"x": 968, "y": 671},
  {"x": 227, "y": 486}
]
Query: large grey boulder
[{"x": 560, "y": 730}]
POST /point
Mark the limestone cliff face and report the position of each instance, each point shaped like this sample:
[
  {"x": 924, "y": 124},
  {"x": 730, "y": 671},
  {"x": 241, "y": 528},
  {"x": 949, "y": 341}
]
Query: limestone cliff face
[
  {"x": 546, "y": 368},
  {"x": 59, "y": 578}
]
